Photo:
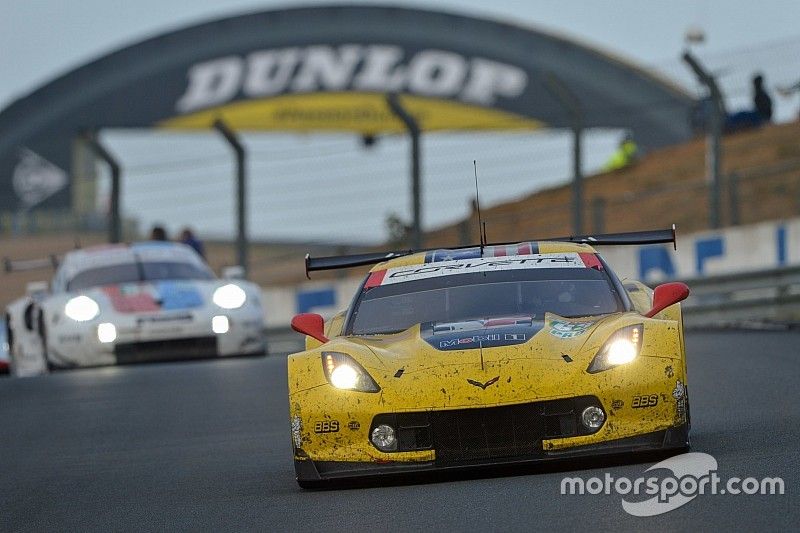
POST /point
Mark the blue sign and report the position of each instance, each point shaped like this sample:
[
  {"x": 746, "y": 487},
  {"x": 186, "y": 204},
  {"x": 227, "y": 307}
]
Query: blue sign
[{"x": 308, "y": 300}]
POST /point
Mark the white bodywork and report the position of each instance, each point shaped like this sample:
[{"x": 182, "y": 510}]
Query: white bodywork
[{"x": 159, "y": 299}]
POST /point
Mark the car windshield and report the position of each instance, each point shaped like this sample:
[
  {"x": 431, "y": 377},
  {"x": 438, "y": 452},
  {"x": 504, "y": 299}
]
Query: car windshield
[
  {"x": 137, "y": 272},
  {"x": 531, "y": 293}
]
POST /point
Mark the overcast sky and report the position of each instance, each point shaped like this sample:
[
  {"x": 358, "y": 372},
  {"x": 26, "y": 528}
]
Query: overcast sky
[{"x": 40, "y": 39}]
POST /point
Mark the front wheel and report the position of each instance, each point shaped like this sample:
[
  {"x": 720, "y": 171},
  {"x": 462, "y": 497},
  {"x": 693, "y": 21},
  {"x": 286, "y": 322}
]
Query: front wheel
[{"x": 43, "y": 337}]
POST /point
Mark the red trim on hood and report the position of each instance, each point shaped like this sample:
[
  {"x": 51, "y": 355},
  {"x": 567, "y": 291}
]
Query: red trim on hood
[{"x": 138, "y": 302}]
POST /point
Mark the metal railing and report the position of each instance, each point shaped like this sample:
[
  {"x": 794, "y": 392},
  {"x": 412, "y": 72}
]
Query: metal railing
[
  {"x": 58, "y": 221},
  {"x": 764, "y": 298},
  {"x": 747, "y": 298}
]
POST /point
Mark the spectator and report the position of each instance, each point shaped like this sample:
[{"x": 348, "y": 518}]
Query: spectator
[
  {"x": 761, "y": 100},
  {"x": 626, "y": 154},
  {"x": 158, "y": 233},
  {"x": 760, "y": 114},
  {"x": 188, "y": 238}
]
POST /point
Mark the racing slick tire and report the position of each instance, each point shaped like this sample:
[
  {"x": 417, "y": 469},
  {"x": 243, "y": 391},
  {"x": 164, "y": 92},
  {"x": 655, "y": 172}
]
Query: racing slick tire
[{"x": 43, "y": 336}]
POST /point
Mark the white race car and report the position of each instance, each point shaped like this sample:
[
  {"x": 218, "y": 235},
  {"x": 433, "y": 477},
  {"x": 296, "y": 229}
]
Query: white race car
[{"x": 118, "y": 304}]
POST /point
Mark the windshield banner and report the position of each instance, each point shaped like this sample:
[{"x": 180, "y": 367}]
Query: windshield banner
[{"x": 471, "y": 266}]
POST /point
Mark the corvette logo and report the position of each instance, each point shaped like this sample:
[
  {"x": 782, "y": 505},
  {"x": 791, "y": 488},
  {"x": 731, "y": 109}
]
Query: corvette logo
[{"x": 483, "y": 385}]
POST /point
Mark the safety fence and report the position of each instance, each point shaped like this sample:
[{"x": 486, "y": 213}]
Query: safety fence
[{"x": 769, "y": 298}]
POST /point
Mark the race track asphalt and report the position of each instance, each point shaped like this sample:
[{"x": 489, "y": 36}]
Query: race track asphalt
[{"x": 204, "y": 446}]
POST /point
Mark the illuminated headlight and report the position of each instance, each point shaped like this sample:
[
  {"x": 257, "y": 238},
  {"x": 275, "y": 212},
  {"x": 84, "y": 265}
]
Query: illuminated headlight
[
  {"x": 229, "y": 296},
  {"x": 220, "y": 324},
  {"x": 106, "y": 332},
  {"x": 344, "y": 373},
  {"x": 344, "y": 377},
  {"x": 621, "y": 348},
  {"x": 621, "y": 351},
  {"x": 81, "y": 309},
  {"x": 592, "y": 417},
  {"x": 383, "y": 438}
]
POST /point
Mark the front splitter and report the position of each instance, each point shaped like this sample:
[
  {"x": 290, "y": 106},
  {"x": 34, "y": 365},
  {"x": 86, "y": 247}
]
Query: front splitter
[{"x": 320, "y": 473}]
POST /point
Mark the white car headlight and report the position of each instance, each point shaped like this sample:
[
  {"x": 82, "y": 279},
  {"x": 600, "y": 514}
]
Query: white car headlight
[
  {"x": 81, "y": 308},
  {"x": 106, "y": 332},
  {"x": 621, "y": 348},
  {"x": 229, "y": 296}
]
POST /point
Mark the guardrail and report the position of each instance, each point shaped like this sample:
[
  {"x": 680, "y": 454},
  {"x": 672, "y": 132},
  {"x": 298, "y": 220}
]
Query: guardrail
[
  {"x": 767, "y": 296},
  {"x": 283, "y": 341}
]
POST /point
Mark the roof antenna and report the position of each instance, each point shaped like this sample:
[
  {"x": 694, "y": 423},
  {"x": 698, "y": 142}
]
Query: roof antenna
[{"x": 481, "y": 223}]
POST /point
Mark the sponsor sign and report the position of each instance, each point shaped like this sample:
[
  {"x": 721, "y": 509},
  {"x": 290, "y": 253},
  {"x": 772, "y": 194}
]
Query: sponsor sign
[
  {"x": 472, "y": 266},
  {"x": 374, "y": 68},
  {"x": 568, "y": 330},
  {"x": 317, "y": 69},
  {"x": 484, "y": 333}
]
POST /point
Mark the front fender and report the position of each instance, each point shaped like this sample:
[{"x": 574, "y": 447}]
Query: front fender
[{"x": 26, "y": 350}]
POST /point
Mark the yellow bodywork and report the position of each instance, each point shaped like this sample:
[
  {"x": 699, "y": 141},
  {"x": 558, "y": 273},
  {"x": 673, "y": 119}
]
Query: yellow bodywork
[{"x": 533, "y": 371}]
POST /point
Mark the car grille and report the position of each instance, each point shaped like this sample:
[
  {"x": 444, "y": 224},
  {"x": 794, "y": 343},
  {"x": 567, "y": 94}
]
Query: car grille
[
  {"x": 166, "y": 350},
  {"x": 479, "y": 434}
]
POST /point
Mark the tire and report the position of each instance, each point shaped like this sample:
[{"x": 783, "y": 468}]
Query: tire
[
  {"x": 9, "y": 342},
  {"x": 9, "y": 333},
  {"x": 43, "y": 336}
]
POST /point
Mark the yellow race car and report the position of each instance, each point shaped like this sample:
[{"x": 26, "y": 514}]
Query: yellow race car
[{"x": 486, "y": 355}]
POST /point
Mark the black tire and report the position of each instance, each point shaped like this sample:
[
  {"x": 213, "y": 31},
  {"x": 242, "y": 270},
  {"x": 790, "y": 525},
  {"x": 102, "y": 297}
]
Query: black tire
[
  {"x": 9, "y": 333},
  {"x": 9, "y": 342},
  {"x": 43, "y": 337}
]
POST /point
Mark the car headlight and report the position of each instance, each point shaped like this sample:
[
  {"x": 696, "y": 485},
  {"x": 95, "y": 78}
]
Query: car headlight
[
  {"x": 621, "y": 348},
  {"x": 229, "y": 296},
  {"x": 81, "y": 308},
  {"x": 344, "y": 373}
]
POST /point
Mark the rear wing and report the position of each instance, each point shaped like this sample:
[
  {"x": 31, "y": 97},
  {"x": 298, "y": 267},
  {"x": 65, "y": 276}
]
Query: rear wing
[{"x": 660, "y": 236}]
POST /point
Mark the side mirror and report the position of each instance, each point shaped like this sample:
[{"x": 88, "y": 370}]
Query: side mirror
[
  {"x": 35, "y": 288},
  {"x": 233, "y": 272},
  {"x": 667, "y": 294},
  {"x": 310, "y": 324}
]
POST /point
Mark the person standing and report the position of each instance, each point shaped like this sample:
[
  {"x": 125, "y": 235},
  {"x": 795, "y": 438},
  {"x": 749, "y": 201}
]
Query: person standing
[
  {"x": 188, "y": 238},
  {"x": 758, "y": 115},
  {"x": 762, "y": 102},
  {"x": 158, "y": 233},
  {"x": 626, "y": 154}
]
